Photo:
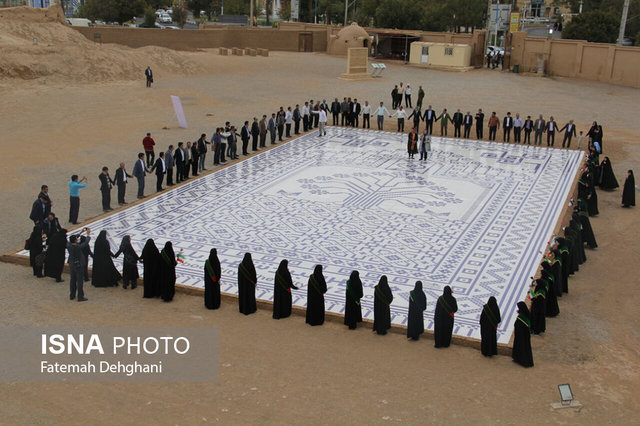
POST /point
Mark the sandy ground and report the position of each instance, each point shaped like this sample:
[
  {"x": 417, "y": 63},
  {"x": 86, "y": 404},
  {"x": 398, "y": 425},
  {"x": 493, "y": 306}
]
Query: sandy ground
[{"x": 273, "y": 372}]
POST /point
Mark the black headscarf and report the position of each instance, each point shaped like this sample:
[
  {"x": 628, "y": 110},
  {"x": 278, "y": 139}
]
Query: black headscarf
[
  {"x": 212, "y": 281},
  {"x": 629, "y": 191},
  {"x": 54, "y": 261},
  {"x": 492, "y": 304},
  {"x": 35, "y": 244},
  {"x": 167, "y": 272},
  {"x": 104, "y": 272},
  {"x": 352, "y": 310},
  {"x": 523, "y": 309},
  {"x": 151, "y": 265}
]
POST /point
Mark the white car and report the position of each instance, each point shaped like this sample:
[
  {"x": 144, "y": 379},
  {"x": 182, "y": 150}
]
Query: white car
[{"x": 165, "y": 18}]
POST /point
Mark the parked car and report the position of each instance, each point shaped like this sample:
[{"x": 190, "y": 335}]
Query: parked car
[
  {"x": 79, "y": 22},
  {"x": 165, "y": 18}
]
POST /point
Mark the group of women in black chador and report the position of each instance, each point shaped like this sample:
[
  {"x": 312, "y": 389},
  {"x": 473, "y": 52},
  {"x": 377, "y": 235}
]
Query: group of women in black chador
[{"x": 159, "y": 271}]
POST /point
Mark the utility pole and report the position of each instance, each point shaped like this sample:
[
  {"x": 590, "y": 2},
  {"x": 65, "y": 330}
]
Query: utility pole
[
  {"x": 251, "y": 13},
  {"x": 623, "y": 21},
  {"x": 346, "y": 11}
]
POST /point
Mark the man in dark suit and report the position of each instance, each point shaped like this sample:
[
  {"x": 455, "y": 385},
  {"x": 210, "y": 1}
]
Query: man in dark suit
[
  {"x": 479, "y": 124},
  {"x": 245, "y": 134},
  {"x": 263, "y": 130},
  {"x": 140, "y": 171},
  {"x": 344, "y": 109},
  {"x": 569, "y": 130},
  {"x": 355, "y": 113},
  {"x": 38, "y": 210},
  {"x": 51, "y": 225},
  {"x": 507, "y": 125},
  {"x": 349, "y": 111},
  {"x": 272, "y": 128},
  {"x": 297, "y": 117},
  {"x": 468, "y": 122},
  {"x": 195, "y": 158},
  {"x": 255, "y": 131},
  {"x": 170, "y": 162},
  {"x": 335, "y": 110},
  {"x": 551, "y": 128},
  {"x": 121, "y": 183},
  {"x": 106, "y": 183},
  {"x": 528, "y": 127},
  {"x": 429, "y": 117},
  {"x": 457, "y": 123},
  {"x": 44, "y": 193},
  {"x": 179, "y": 159},
  {"x": 161, "y": 168},
  {"x": 539, "y": 127}
]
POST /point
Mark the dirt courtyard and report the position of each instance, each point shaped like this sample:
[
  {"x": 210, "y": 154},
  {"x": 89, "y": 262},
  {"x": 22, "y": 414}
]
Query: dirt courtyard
[{"x": 275, "y": 372}]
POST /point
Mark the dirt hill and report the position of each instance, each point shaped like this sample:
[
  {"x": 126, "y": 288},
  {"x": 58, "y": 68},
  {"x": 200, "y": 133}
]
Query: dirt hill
[{"x": 63, "y": 54}]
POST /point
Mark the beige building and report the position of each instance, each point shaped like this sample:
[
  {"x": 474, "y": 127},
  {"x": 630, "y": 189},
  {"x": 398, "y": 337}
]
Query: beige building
[{"x": 440, "y": 55}]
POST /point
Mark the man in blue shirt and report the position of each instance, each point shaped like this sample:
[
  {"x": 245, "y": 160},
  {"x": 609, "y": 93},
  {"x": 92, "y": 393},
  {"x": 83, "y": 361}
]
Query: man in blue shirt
[{"x": 74, "y": 197}]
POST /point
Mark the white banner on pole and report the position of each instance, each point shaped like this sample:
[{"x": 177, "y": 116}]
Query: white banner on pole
[{"x": 177, "y": 107}]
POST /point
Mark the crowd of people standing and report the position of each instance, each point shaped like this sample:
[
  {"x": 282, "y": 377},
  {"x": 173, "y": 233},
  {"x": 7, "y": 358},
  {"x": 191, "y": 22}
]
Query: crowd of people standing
[{"x": 49, "y": 242}]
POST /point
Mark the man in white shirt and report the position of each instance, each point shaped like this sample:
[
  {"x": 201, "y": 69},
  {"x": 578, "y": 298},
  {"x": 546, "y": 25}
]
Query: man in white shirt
[
  {"x": 380, "y": 112},
  {"x": 401, "y": 114},
  {"x": 517, "y": 128},
  {"x": 366, "y": 114},
  {"x": 288, "y": 119},
  {"x": 355, "y": 113},
  {"x": 322, "y": 120},
  {"x": 305, "y": 116},
  {"x": 407, "y": 97}
]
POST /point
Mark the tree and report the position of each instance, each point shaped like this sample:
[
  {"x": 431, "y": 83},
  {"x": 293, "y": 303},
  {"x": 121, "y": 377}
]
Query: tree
[
  {"x": 594, "y": 26},
  {"x": 119, "y": 11},
  {"x": 195, "y": 6},
  {"x": 285, "y": 11},
  {"x": 400, "y": 14},
  {"x": 149, "y": 18},
  {"x": 179, "y": 15},
  {"x": 236, "y": 7}
]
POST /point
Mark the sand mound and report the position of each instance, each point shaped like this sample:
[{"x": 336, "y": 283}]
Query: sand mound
[{"x": 63, "y": 54}]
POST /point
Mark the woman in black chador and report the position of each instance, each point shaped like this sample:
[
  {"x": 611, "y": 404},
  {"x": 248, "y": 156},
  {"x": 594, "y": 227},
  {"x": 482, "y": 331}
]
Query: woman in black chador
[
  {"x": 35, "y": 249},
  {"x": 608, "y": 179},
  {"x": 54, "y": 261},
  {"x": 317, "y": 287},
  {"x": 352, "y": 310},
  {"x": 551, "y": 308},
  {"x": 629, "y": 191},
  {"x": 104, "y": 272},
  {"x": 522, "y": 337},
  {"x": 446, "y": 307},
  {"x": 247, "y": 281},
  {"x": 212, "y": 274},
  {"x": 381, "y": 306},
  {"x": 129, "y": 264},
  {"x": 167, "y": 275},
  {"x": 538, "y": 307},
  {"x": 283, "y": 283},
  {"x": 489, "y": 320},
  {"x": 582, "y": 216},
  {"x": 415, "y": 317},
  {"x": 151, "y": 269}
]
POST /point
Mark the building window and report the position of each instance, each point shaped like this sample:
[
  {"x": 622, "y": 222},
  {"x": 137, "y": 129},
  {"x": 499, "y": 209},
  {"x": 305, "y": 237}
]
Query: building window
[
  {"x": 448, "y": 51},
  {"x": 425, "y": 50}
]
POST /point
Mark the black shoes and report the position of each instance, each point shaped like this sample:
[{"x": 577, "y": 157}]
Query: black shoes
[{"x": 82, "y": 299}]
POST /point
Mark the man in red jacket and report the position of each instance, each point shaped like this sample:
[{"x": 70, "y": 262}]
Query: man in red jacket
[{"x": 148, "y": 144}]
